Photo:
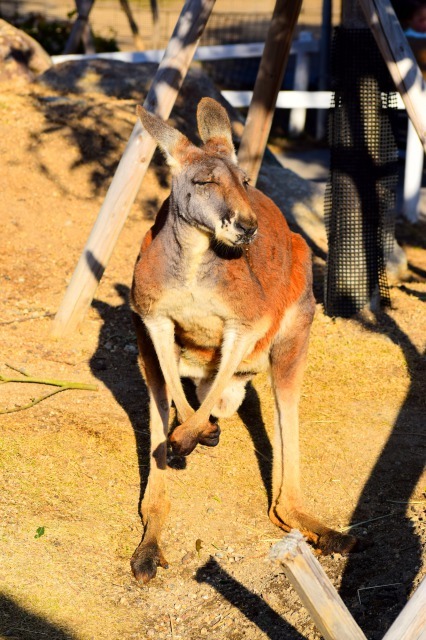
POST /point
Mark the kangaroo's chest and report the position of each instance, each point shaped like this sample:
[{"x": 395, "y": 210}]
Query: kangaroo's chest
[{"x": 197, "y": 312}]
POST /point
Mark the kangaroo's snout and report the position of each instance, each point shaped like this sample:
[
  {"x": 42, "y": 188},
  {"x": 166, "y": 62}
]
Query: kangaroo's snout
[{"x": 246, "y": 229}]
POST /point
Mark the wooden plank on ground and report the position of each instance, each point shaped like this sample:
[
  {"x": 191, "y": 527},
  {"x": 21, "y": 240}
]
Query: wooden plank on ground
[{"x": 315, "y": 589}]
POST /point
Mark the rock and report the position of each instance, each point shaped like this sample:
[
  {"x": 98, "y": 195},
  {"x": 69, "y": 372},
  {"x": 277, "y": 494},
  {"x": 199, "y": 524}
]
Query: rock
[
  {"x": 21, "y": 57},
  {"x": 188, "y": 557},
  {"x": 109, "y": 77}
]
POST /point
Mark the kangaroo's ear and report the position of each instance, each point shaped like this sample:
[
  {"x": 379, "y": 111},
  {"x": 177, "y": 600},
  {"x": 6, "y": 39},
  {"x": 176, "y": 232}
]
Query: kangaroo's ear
[
  {"x": 171, "y": 141},
  {"x": 215, "y": 127}
]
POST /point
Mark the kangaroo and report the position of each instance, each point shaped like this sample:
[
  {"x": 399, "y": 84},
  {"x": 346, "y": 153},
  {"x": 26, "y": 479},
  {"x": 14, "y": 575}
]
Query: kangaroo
[{"x": 222, "y": 290}]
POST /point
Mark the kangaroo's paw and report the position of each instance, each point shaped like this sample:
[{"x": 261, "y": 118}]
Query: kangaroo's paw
[
  {"x": 325, "y": 540},
  {"x": 186, "y": 436},
  {"x": 336, "y": 542},
  {"x": 145, "y": 560}
]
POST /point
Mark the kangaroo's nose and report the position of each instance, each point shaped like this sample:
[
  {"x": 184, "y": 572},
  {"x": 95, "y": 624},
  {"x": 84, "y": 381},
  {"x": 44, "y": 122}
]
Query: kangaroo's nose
[{"x": 248, "y": 229}]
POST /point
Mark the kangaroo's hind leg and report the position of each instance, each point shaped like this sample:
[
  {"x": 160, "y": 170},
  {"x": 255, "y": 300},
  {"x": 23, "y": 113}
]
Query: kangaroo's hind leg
[
  {"x": 288, "y": 357},
  {"x": 155, "y": 503}
]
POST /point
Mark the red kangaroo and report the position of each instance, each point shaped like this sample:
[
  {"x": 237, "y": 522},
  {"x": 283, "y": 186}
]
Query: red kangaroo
[{"x": 222, "y": 290}]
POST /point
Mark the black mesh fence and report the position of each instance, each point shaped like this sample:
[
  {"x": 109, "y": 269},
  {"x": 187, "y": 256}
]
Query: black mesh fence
[
  {"x": 360, "y": 195},
  {"x": 235, "y": 28}
]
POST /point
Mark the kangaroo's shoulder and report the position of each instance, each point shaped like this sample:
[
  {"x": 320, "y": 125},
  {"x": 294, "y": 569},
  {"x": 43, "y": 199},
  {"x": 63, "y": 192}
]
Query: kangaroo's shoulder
[
  {"x": 159, "y": 222},
  {"x": 281, "y": 258},
  {"x": 150, "y": 265},
  {"x": 275, "y": 236}
]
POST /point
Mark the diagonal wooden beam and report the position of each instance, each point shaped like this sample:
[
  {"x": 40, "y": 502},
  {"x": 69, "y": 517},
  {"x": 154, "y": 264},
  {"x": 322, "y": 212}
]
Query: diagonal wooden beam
[
  {"x": 84, "y": 8},
  {"x": 400, "y": 60},
  {"x": 137, "y": 38},
  {"x": 132, "y": 168},
  {"x": 267, "y": 86}
]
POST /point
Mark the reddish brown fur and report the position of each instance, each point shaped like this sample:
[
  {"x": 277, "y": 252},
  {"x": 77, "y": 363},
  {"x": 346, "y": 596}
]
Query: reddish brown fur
[{"x": 220, "y": 316}]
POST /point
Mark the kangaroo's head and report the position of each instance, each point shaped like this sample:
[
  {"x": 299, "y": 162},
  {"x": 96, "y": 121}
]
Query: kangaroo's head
[{"x": 209, "y": 190}]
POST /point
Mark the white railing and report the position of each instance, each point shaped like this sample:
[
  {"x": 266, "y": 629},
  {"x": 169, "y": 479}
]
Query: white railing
[{"x": 297, "y": 100}]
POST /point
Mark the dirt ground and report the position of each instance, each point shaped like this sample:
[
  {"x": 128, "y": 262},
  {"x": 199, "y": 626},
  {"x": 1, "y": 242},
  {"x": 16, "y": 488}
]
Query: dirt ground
[{"x": 73, "y": 466}]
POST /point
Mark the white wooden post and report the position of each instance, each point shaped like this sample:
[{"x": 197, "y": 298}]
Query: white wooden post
[
  {"x": 314, "y": 588},
  {"x": 132, "y": 168},
  {"x": 414, "y": 158},
  {"x": 301, "y": 83}
]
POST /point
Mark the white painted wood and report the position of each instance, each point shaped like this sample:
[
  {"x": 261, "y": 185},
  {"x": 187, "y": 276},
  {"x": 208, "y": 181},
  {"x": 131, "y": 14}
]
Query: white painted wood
[
  {"x": 413, "y": 173},
  {"x": 205, "y": 53},
  {"x": 315, "y": 589},
  {"x": 297, "y": 118},
  {"x": 285, "y": 99},
  {"x": 132, "y": 168},
  {"x": 291, "y": 99}
]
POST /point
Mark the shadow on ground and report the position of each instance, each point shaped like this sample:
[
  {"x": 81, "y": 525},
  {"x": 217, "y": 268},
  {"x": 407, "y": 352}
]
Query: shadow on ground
[
  {"x": 397, "y": 552},
  {"x": 251, "y": 605},
  {"x": 115, "y": 364},
  {"x": 18, "y": 623}
]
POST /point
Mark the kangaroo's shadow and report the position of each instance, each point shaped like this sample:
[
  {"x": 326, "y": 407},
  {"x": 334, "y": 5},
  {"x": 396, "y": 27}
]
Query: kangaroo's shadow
[
  {"x": 115, "y": 363},
  {"x": 397, "y": 552},
  {"x": 251, "y": 605},
  {"x": 251, "y": 414}
]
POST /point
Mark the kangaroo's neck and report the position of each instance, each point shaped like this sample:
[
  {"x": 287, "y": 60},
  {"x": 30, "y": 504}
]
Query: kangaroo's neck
[
  {"x": 190, "y": 244},
  {"x": 188, "y": 236}
]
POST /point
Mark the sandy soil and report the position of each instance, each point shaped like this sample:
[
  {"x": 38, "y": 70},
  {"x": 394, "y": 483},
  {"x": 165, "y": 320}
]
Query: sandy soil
[{"x": 73, "y": 465}]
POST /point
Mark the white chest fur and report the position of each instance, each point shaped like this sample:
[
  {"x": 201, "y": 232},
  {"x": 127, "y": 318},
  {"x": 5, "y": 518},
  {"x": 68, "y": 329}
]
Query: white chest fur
[{"x": 197, "y": 312}]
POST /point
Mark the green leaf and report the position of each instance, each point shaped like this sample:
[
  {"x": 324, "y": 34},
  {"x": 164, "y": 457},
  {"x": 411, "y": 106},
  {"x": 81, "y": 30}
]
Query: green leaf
[
  {"x": 40, "y": 532},
  {"x": 198, "y": 545}
]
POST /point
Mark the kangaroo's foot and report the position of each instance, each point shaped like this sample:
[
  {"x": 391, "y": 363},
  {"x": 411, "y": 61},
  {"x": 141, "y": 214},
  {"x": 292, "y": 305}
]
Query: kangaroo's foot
[
  {"x": 145, "y": 560},
  {"x": 325, "y": 540},
  {"x": 186, "y": 436}
]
